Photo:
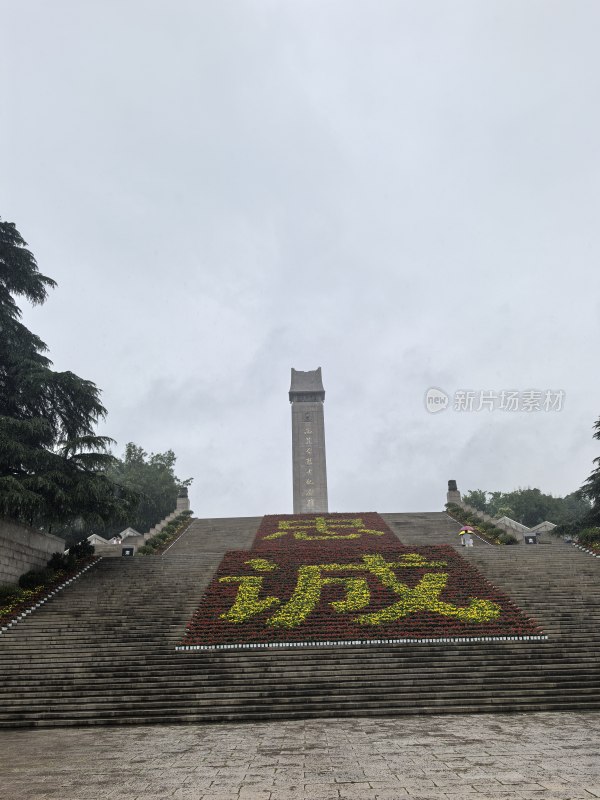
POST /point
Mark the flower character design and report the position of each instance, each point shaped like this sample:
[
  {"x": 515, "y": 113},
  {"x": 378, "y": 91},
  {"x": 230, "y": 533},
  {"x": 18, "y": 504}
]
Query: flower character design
[
  {"x": 311, "y": 580},
  {"x": 425, "y": 596},
  {"x": 324, "y": 528}
]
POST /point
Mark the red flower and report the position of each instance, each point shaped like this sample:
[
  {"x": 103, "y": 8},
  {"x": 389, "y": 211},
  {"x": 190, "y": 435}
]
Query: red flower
[{"x": 269, "y": 578}]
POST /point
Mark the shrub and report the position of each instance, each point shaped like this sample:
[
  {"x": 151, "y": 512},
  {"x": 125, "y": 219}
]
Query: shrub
[
  {"x": 82, "y": 549},
  {"x": 566, "y": 529},
  {"x": 34, "y": 578},
  {"x": 589, "y": 536},
  {"x": 170, "y": 530},
  {"x": 486, "y": 529},
  {"x": 456, "y": 511},
  {"x": 8, "y": 594},
  {"x": 62, "y": 561},
  {"x": 57, "y": 561}
]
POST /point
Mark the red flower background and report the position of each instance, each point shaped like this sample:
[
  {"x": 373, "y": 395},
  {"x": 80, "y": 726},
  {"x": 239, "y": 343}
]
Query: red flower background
[
  {"x": 337, "y": 523},
  {"x": 207, "y": 629}
]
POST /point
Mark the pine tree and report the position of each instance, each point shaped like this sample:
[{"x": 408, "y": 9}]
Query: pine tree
[{"x": 52, "y": 464}]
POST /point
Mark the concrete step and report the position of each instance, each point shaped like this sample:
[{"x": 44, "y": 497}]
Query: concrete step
[{"x": 102, "y": 651}]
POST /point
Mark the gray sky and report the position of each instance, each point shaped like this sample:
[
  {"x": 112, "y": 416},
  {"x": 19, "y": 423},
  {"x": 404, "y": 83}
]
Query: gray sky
[{"x": 403, "y": 193}]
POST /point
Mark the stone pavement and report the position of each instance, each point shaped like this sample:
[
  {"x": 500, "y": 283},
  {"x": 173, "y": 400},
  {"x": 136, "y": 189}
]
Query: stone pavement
[{"x": 549, "y": 756}]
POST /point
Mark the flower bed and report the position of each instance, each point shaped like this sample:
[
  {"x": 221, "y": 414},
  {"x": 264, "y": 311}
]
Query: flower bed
[
  {"x": 300, "y": 533},
  {"x": 339, "y": 579},
  {"x": 157, "y": 544},
  {"x": 588, "y": 539},
  {"x": 485, "y": 530},
  {"x": 20, "y": 601},
  {"x": 593, "y": 550}
]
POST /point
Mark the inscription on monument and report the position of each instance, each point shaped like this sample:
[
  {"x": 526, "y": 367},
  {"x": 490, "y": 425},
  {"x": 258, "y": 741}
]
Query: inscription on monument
[{"x": 308, "y": 442}]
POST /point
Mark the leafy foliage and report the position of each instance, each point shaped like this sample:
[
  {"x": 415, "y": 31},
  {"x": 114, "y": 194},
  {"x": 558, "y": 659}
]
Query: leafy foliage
[
  {"x": 53, "y": 468},
  {"x": 58, "y": 562},
  {"x": 34, "y": 583},
  {"x": 589, "y": 536},
  {"x": 152, "y": 480},
  {"x": 35, "y": 577},
  {"x": 477, "y": 498},
  {"x": 591, "y": 488},
  {"x": 507, "y": 538},
  {"x": 81, "y": 550},
  {"x": 530, "y": 506},
  {"x": 172, "y": 529},
  {"x": 11, "y": 597},
  {"x": 485, "y": 529}
]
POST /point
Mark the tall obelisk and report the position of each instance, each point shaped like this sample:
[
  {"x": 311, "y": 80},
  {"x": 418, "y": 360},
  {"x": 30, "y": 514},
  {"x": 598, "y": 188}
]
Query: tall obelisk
[{"x": 308, "y": 442}]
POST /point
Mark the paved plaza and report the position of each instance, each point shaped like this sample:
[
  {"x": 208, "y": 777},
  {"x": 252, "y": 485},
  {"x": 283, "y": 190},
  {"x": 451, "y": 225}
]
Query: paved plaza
[{"x": 550, "y": 756}]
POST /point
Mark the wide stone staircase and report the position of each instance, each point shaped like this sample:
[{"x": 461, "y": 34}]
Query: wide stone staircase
[{"x": 103, "y": 650}]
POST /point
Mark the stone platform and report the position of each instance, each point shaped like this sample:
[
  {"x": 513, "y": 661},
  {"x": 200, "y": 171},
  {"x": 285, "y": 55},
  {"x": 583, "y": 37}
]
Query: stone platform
[{"x": 551, "y": 756}]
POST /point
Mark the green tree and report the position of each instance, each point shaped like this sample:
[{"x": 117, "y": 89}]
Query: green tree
[
  {"x": 530, "y": 506},
  {"x": 151, "y": 478},
  {"x": 53, "y": 467},
  {"x": 572, "y": 507},
  {"x": 591, "y": 488},
  {"x": 476, "y": 498},
  {"x": 504, "y": 511}
]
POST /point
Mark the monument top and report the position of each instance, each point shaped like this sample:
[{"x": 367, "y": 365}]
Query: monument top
[{"x": 307, "y": 385}]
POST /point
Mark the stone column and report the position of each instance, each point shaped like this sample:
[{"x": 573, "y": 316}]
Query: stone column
[
  {"x": 308, "y": 442},
  {"x": 183, "y": 501},
  {"x": 453, "y": 495}
]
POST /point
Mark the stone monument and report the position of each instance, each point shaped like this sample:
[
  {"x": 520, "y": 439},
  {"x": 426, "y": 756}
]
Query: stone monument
[
  {"x": 453, "y": 495},
  {"x": 183, "y": 502},
  {"x": 308, "y": 442}
]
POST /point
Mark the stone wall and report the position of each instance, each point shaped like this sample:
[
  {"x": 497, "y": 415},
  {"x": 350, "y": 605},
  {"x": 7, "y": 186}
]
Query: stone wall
[{"x": 23, "y": 548}]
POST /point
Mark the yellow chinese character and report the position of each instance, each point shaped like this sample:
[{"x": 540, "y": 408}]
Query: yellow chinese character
[
  {"x": 324, "y": 528},
  {"x": 425, "y": 596}
]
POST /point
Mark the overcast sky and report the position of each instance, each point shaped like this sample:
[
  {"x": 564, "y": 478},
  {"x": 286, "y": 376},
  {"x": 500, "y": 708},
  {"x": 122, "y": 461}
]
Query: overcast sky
[{"x": 403, "y": 193}]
